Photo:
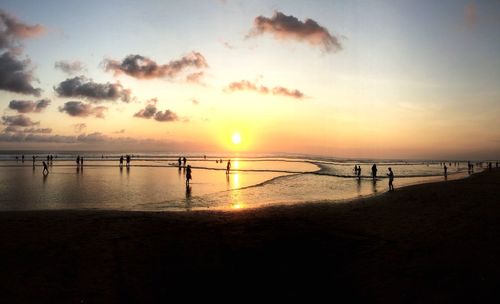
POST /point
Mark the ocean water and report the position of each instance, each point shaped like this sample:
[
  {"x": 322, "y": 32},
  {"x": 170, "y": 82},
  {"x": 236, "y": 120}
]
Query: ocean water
[{"x": 154, "y": 182}]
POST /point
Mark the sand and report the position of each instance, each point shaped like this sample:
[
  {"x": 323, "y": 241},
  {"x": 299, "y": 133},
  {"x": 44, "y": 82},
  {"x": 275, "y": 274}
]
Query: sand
[{"x": 427, "y": 243}]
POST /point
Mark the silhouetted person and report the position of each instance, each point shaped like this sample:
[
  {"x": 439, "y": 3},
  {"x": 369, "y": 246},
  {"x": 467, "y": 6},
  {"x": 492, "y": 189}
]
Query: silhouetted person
[
  {"x": 355, "y": 170},
  {"x": 204, "y": 157},
  {"x": 78, "y": 161},
  {"x": 34, "y": 158},
  {"x": 81, "y": 161},
  {"x": 179, "y": 161},
  {"x": 228, "y": 167},
  {"x": 391, "y": 179},
  {"x": 359, "y": 172},
  {"x": 489, "y": 165},
  {"x": 48, "y": 158},
  {"x": 496, "y": 164},
  {"x": 121, "y": 161},
  {"x": 17, "y": 159},
  {"x": 51, "y": 158},
  {"x": 128, "y": 161},
  {"x": 45, "y": 168},
  {"x": 374, "y": 171},
  {"x": 22, "y": 158},
  {"x": 445, "y": 171},
  {"x": 188, "y": 175},
  {"x": 184, "y": 160}
]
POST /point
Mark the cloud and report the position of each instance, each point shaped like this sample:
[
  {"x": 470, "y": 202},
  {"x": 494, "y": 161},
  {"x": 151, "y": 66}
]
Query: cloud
[
  {"x": 28, "y": 130},
  {"x": 285, "y": 27},
  {"x": 195, "y": 77},
  {"x": 15, "y": 75},
  {"x": 79, "y": 127},
  {"x": 12, "y": 31},
  {"x": 94, "y": 92},
  {"x": 286, "y": 92},
  {"x": 147, "y": 112},
  {"x": 18, "y": 121},
  {"x": 119, "y": 132},
  {"x": 245, "y": 85},
  {"x": 69, "y": 68},
  {"x": 195, "y": 102},
  {"x": 80, "y": 109},
  {"x": 27, "y": 106},
  {"x": 141, "y": 67},
  {"x": 150, "y": 111},
  {"x": 470, "y": 14},
  {"x": 166, "y": 115}
]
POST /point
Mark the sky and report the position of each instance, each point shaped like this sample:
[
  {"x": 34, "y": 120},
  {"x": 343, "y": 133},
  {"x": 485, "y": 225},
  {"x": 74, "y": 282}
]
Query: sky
[{"x": 371, "y": 79}]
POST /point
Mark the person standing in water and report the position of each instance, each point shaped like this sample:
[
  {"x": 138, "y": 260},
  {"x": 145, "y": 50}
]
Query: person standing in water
[
  {"x": 184, "y": 160},
  {"x": 374, "y": 171},
  {"x": 359, "y": 172},
  {"x": 180, "y": 162},
  {"x": 34, "y": 158},
  {"x": 128, "y": 160},
  {"x": 228, "y": 168},
  {"x": 391, "y": 179},
  {"x": 81, "y": 161},
  {"x": 45, "y": 168},
  {"x": 121, "y": 161},
  {"x": 445, "y": 170},
  {"x": 188, "y": 175}
]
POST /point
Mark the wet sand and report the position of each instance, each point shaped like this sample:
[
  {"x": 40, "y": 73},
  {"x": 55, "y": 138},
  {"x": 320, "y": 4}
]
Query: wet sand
[{"x": 426, "y": 243}]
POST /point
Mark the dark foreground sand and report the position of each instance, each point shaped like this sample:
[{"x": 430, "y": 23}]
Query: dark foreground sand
[{"x": 422, "y": 244}]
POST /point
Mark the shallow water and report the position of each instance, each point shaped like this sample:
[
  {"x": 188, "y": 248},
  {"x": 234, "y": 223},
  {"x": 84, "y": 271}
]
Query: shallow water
[{"x": 156, "y": 183}]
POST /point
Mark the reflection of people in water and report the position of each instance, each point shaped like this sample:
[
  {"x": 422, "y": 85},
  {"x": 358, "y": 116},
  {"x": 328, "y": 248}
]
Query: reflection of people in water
[
  {"x": 391, "y": 179},
  {"x": 45, "y": 168},
  {"x": 188, "y": 197},
  {"x": 188, "y": 175},
  {"x": 228, "y": 168}
]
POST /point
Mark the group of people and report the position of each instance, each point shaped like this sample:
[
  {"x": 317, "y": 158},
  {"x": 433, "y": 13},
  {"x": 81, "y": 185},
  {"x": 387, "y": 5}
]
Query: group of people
[
  {"x": 390, "y": 174},
  {"x": 127, "y": 158}
]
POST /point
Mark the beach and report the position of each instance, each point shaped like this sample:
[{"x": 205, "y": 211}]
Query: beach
[{"x": 435, "y": 242}]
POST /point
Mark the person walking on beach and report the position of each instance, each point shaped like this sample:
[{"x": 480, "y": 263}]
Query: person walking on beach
[
  {"x": 184, "y": 160},
  {"x": 355, "y": 170},
  {"x": 128, "y": 161},
  {"x": 359, "y": 172},
  {"x": 34, "y": 158},
  {"x": 445, "y": 170},
  {"x": 228, "y": 168},
  {"x": 78, "y": 161},
  {"x": 374, "y": 171},
  {"x": 121, "y": 161},
  {"x": 180, "y": 162},
  {"x": 45, "y": 168},
  {"x": 188, "y": 175},
  {"x": 81, "y": 161},
  {"x": 391, "y": 179},
  {"x": 22, "y": 158}
]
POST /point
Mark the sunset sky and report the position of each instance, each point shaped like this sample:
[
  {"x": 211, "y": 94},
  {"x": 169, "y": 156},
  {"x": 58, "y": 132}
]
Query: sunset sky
[{"x": 383, "y": 79}]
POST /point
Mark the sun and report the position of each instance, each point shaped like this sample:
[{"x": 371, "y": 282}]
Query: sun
[{"x": 236, "y": 138}]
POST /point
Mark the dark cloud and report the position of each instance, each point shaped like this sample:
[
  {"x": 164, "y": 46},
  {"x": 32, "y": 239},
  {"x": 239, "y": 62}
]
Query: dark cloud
[
  {"x": 28, "y": 130},
  {"x": 286, "y": 92},
  {"x": 166, "y": 115},
  {"x": 195, "y": 77},
  {"x": 18, "y": 121},
  {"x": 16, "y": 75},
  {"x": 147, "y": 112},
  {"x": 285, "y": 27},
  {"x": 27, "y": 106},
  {"x": 69, "y": 68},
  {"x": 78, "y": 108},
  {"x": 12, "y": 31},
  {"x": 245, "y": 85},
  {"x": 79, "y": 127},
  {"x": 95, "y": 92},
  {"x": 141, "y": 67},
  {"x": 150, "y": 111}
]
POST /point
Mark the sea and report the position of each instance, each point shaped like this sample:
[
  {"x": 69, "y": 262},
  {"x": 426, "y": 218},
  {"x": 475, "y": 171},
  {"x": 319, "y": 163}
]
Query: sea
[{"x": 155, "y": 181}]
